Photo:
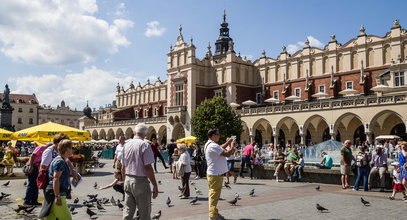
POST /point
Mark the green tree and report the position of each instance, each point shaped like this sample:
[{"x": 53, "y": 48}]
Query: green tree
[{"x": 215, "y": 113}]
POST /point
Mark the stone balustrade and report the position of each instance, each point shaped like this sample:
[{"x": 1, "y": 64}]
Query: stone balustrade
[
  {"x": 151, "y": 120},
  {"x": 324, "y": 104}
]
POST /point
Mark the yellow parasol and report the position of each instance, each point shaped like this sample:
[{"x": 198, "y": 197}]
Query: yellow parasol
[
  {"x": 187, "y": 140},
  {"x": 47, "y": 131},
  {"x": 5, "y": 135}
]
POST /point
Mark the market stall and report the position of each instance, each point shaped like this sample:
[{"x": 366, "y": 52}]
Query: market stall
[{"x": 82, "y": 159}]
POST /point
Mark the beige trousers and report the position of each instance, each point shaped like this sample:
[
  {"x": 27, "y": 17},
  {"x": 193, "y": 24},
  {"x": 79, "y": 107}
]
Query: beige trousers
[{"x": 137, "y": 196}]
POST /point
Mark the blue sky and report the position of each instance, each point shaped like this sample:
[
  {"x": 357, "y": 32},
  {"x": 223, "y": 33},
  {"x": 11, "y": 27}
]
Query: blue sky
[{"x": 78, "y": 51}]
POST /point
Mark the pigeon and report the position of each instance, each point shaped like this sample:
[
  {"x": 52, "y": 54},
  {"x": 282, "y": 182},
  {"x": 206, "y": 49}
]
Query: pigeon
[
  {"x": 72, "y": 209},
  {"x": 90, "y": 212},
  {"x": 194, "y": 200},
  {"x": 237, "y": 196},
  {"x": 157, "y": 216},
  {"x": 29, "y": 209},
  {"x": 159, "y": 182},
  {"x": 113, "y": 201},
  {"x": 1, "y": 197},
  {"x": 25, "y": 183},
  {"x": 180, "y": 188},
  {"x": 318, "y": 187},
  {"x": 89, "y": 205},
  {"x": 320, "y": 208},
  {"x": 197, "y": 191},
  {"x": 92, "y": 196},
  {"x": 100, "y": 207},
  {"x": 233, "y": 202},
  {"x": 119, "y": 204},
  {"x": 95, "y": 185},
  {"x": 192, "y": 183},
  {"x": 20, "y": 207},
  {"x": 251, "y": 192},
  {"x": 168, "y": 202},
  {"x": 6, "y": 184},
  {"x": 76, "y": 200},
  {"x": 227, "y": 186},
  {"x": 366, "y": 203},
  {"x": 101, "y": 165},
  {"x": 5, "y": 195}
]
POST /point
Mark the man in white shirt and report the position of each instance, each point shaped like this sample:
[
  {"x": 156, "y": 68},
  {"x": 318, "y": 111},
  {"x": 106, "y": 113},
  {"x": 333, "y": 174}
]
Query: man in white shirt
[
  {"x": 185, "y": 161},
  {"x": 118, "y": 154},
  {"x": 216, "y": 161}
]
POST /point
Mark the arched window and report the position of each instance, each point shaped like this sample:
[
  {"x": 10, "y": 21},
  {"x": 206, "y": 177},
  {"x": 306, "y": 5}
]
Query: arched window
[
  {"x": 340, "y": 62},
  {"x": 386, "y": 54}
]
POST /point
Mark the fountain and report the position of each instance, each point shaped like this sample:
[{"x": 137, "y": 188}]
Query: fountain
[{"x": 313, "y": 154}]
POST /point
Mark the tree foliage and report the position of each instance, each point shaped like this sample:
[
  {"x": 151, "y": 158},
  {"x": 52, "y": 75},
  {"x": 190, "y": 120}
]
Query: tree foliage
[{"x": 215, "y": 113}]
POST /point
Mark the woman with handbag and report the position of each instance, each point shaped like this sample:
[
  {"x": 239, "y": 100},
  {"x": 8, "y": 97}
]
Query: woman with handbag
[
  {"x": 31, "y": 194},
  {"x": 55, "y": 205}
]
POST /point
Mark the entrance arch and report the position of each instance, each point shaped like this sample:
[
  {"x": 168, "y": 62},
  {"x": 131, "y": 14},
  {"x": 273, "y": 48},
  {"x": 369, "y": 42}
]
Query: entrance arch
[
  {"x": 262, "y": 132},
  {"x": 315, "y": 128},
  {"x": 347, "y": 124},
  {"x": 129, "y": 133},
  {"x": 385, "y": 123},
  {"x": 94, "y": 135},
  {"x": 162, "y": 135},
  {"x": 289, "y": 127},
  {"x": 178, "y": 132},
  {"x": 110, "y": 135},
  {"x": 119, "y": 133},
  {"x": 102, "y": 134},
  {"x": 151, "y": 133}
]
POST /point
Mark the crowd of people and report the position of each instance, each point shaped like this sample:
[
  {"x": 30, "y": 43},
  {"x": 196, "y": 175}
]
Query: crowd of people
[{"x": 135, "y": 163}]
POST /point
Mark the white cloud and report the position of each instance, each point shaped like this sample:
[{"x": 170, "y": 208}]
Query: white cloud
[
  {"x": 93, "y": 84},
  {"x": 154, "y": 29},
  {"x": 57, "y": 32},
  {"x": 121, "y": 9},
  {"x": 313, "y": 42}
]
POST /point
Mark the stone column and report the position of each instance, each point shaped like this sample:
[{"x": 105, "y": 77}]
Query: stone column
[
  {"x": 275, "y": 139},
  {"x": 302, "y": 139},
  {"x": 369, "y": 136},
  {"x": 333, "y": 136}
]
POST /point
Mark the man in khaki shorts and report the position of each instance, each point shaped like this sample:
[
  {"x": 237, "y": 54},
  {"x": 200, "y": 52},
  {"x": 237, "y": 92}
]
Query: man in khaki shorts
[
  {"x": 346, "y": 160},
  {"x": 118, "y": 154}
]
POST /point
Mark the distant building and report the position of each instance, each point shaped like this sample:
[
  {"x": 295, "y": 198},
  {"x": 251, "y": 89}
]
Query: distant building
[
  {"x": 25, "y": 112},
  {"x": 62, "y": 114}
]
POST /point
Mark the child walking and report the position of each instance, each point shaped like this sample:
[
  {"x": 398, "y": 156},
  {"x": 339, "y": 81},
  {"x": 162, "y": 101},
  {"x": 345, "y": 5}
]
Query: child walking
[{"x": 397, "y": 185}]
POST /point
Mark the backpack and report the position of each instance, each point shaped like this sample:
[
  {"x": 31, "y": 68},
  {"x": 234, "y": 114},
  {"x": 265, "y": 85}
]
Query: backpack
[{"x": 361, "y": 159}]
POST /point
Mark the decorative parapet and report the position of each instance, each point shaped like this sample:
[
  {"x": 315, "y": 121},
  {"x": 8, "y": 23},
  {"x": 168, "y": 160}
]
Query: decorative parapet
[
  {"x": 328, "y": 104},
  {"x": 153, "y": 120},
  {"x": 174, "y": 109}
]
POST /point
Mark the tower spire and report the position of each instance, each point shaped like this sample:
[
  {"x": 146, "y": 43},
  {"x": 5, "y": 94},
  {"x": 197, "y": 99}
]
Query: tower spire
[{"x": 223, "y": 42}]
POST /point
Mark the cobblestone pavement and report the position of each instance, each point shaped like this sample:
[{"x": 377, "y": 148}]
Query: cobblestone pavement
[{"x": 271, "y": 201}]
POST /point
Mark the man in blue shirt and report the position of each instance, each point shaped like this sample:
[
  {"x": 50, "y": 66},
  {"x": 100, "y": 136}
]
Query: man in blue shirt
[{"x": 326, "y": 162}]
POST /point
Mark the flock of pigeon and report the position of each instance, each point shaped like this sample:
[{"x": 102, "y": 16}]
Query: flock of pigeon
[{"x": 93, "y": 202}]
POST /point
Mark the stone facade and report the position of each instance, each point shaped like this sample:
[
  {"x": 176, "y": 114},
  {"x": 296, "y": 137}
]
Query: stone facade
[
  {"x": 62, "y": 114},
  {"x": 25, "y": 112},
  {"x": 352, "y": 91}
]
